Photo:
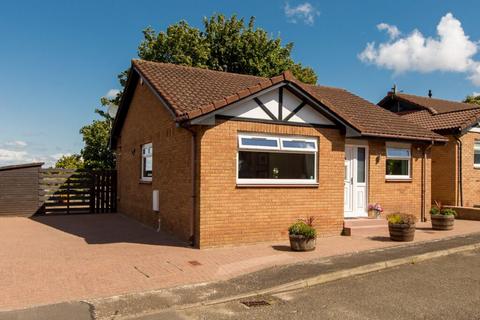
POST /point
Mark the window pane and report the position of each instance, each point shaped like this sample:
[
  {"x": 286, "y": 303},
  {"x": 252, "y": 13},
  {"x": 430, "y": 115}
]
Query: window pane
[
  {"x": 273, "y": 165},
  {"x": 299, "y": 144},
  {"x": 397, "y": 167},
  {"x": 397, "y": 152},
  {"x": 147, "y": 166},
  {"x": 260, "y": 142},
  {"x": 477, "y": 146},
  {"x": 476, "y": 159},
  {"x": 361, "y": 165}
]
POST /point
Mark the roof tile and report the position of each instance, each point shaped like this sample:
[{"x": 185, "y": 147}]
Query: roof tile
[
  {"x": 438, "y": 114},
  {"x": 192, "y": 92}
]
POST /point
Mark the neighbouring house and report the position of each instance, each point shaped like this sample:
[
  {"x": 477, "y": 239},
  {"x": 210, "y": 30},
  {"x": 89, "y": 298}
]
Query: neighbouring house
[
  {"x": 222, "y": 158},
  {"x": 455, "y": 165}
]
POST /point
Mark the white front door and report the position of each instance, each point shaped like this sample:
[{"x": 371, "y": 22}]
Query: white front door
[{"x": 355, "y": 181}]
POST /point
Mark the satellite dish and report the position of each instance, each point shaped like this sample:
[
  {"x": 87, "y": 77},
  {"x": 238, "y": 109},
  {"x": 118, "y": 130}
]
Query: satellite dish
[{"x": 112, "y": 110}]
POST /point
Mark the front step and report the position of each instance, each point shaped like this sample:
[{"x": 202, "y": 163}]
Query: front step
[{"x": 364, "y": 226}]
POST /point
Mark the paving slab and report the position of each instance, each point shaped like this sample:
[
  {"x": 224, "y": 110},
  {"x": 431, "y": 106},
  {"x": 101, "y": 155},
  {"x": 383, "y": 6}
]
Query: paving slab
[
  {"x": 48, "y": 260},
  {"x": 267, "y": 280}
]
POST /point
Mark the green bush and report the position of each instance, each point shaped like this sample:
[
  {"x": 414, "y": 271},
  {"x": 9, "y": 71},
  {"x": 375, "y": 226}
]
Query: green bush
[
  {"x": 448, "y": 212},
  {"x": 302, "y": 229},
  {"x": 401, "y": 218},
  {"x": 443, "y": 212}
]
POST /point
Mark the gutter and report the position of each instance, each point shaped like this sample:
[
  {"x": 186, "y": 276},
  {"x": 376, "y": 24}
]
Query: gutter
[
  {"x": 193, "y": 224},
  {"x": 459, "y": 172},
  {"x": 411, "y": 138}
]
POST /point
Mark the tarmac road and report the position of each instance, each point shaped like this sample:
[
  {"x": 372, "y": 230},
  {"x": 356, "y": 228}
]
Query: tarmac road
[{"x": 442, "y": 288}]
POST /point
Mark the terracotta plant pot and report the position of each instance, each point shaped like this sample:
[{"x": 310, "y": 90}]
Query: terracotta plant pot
[
  {"x": 441, "y": 222},
  {"x": 401, "y": 232},
  {"x": 301, "y": 243}
]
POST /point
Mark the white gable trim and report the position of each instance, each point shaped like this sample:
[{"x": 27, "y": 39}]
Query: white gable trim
[{"x": 278, "y": 104}]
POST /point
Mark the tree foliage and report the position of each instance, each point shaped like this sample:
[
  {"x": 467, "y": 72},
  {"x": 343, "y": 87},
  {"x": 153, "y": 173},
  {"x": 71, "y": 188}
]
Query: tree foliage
[
  {"x": 96, "y": 153},
  {"x": 73, "y": 161},
  {"x": 225, "y": 44},
  {"x": 472, "y": 99}
]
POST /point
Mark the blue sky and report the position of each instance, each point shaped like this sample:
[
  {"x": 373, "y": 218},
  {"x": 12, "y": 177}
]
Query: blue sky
[{"x": 57, "y": 58}]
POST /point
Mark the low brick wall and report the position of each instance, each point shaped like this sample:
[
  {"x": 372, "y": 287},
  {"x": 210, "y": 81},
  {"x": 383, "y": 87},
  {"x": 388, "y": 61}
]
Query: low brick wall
[{"x": 467, "y": 213}]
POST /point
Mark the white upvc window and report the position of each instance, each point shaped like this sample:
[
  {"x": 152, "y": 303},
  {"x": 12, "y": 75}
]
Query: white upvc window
[
  {"x": 398, "y": 163},
  {"x": 267, "y": 159},
  {"x": 476, "y": 154},
  {"x": 147, "y": 162}
]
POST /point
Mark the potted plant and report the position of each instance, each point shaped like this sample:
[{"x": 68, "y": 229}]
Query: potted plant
[
  {"x": 302, "y": 235},
  {"x": 442, "y": 218},
  {"x": 401, "y": 226},
  {"x": 376, "y": 209}
]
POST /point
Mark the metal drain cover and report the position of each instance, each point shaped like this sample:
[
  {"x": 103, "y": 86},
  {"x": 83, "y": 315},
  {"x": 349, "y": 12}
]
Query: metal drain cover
[{"x": 255, "y": 303}]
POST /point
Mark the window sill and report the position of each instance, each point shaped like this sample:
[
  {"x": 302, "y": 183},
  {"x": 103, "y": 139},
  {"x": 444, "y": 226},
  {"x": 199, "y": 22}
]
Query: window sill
[
  {"x": 271, "y": 185},
  {"x": 476, "y": 167},
  {"x": 398, "y": 179},
  {"x": 145, "y": 182}
]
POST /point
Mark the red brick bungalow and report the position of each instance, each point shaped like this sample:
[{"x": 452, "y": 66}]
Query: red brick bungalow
[
  {"x": 455, "y": 165},
  {"x": 221, "y": 158}
]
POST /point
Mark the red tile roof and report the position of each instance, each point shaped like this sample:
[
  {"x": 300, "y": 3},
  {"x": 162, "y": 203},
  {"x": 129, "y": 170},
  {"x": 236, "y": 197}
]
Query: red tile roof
[
  {"x": 192, "y": 92},
  {"x": 438, "y": 114},
  {"x": 444, "y": 121},
  {"x": 436, "y": 106}
]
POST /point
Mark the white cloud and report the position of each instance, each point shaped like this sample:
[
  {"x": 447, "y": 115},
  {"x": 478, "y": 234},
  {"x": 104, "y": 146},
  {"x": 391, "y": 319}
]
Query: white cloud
[
  {"x": 112, "y": 93},
  {"x": 475, "y": 94},
  {"x": 305, "y": 12},
  {"x": 451, "y": 51},
  {"x": 392, "y": 31},
  {"x": 17, "y": 143},
  {"x": 475, "y": 75},
  {"x": 12, "y": 156}
]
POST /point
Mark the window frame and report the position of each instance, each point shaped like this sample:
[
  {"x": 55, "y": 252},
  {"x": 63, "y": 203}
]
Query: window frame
[
  {"x": 142, "y": 157},
  {"x": 408, "y": 176},
  {"x": 278, "y": 149},
  {"x": 475, "y": 143}
]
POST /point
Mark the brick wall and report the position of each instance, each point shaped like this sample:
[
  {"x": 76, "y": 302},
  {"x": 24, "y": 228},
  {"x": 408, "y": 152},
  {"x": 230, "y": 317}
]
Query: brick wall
[
  {"x": 149, "y": 121},
  {"x": 444, "y": 172},
  {"x": 398, "y": 196},
  {"x": 230, "y": 215},
  {"x": 233, "y": 215},
  {"x": 470, "y": 175}
]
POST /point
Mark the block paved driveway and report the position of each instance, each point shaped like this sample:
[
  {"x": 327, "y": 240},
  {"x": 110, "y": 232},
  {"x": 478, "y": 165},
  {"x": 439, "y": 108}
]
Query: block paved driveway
[{"x": 60, "y": 258}]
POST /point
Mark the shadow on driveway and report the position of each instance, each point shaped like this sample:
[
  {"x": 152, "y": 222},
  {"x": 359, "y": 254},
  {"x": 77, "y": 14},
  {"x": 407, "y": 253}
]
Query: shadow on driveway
[{"x": 103, "y": 228}]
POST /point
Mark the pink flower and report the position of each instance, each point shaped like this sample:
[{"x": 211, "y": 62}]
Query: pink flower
[{"x": 376, "y": 207}]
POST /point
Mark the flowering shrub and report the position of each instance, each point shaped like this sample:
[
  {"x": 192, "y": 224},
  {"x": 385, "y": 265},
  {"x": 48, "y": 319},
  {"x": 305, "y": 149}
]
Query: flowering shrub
[
  {"x": 376, "y": 207},
  {"x": 300, "y": 228},
  {"x": 401, "y": 218}
]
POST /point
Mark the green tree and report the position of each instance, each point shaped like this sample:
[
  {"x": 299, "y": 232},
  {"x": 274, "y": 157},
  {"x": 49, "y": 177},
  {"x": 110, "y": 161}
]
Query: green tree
[
  {"x": 225, "y": 44},
  {"x": 96, "y": 153},
  {"x": 73, "y": 161},
  {"x": 472, "y": 99}
]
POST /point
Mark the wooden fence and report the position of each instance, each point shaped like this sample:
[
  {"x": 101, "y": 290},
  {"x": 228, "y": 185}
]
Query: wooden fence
[
  {"x": 19, "y": 189},
  {"x": 66, "y": 191}
]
